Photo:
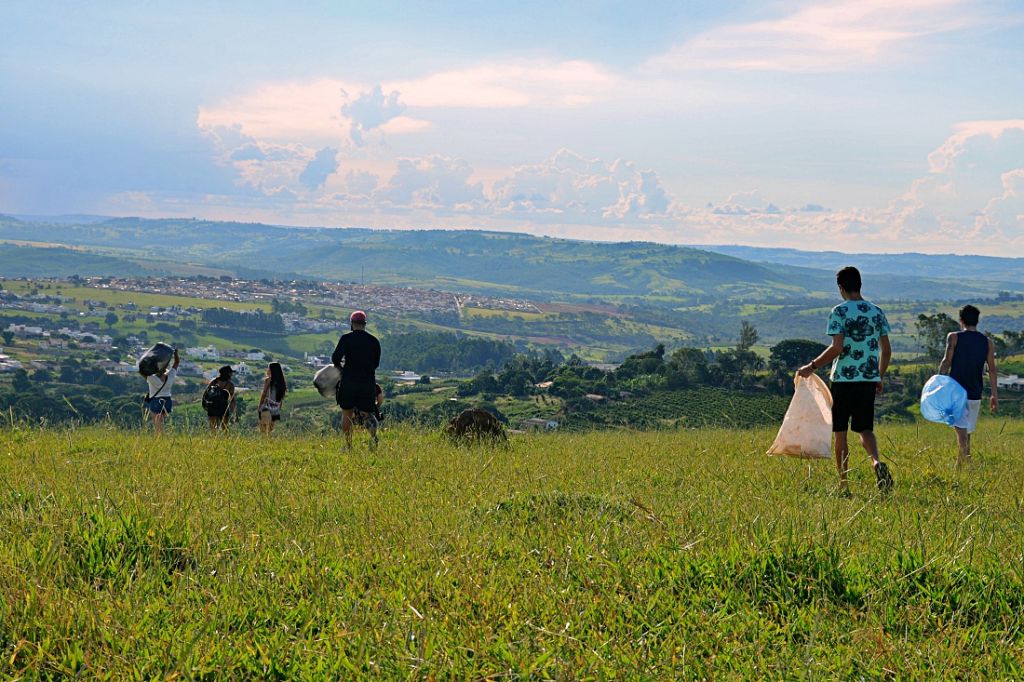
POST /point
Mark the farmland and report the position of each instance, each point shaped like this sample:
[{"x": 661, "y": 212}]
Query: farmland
[{"x": 683, "y": 554}]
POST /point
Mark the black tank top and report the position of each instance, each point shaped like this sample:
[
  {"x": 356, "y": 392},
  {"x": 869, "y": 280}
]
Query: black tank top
[{"x": 969, "y": 358}]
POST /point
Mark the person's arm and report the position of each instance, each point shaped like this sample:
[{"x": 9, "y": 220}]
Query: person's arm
[
  {"x": 947, "y": 359},
  {"x": 376, "y": 356},
  {"x": 339, "y": 353},
  {"x": 883, "y": 362},
  {"x": 826, "y": 356},
  {"x": 177, "y": 360},
  {"x": 263, "y": 393},
  {"x": 993, "y": 377}
]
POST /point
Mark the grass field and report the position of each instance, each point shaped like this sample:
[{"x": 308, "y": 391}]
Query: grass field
[
  {"x": 667, "y": 555},
  {"x": 142, "y": 300}
]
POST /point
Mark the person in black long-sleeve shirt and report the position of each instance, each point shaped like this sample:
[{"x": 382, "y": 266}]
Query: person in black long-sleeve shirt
[{"x": 358, "y": 356}]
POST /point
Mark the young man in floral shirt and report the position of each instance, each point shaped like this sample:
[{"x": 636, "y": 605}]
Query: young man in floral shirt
[{"x": 860, "y": 354}]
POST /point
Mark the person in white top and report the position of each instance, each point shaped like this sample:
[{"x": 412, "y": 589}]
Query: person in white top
[{"x": 160, "y": 403}]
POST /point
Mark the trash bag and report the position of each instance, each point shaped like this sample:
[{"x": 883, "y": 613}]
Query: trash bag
[
  {"x": 807, "y": 427},
  {"x": 327, "y": 380},
  {"x": 943, "y": 400},
  {"x": 155, "y": 360}
]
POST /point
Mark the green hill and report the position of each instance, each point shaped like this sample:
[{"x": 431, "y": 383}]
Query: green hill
[
  {"x": 663, "y": 555},
  {"x": 462, "y": 260}
]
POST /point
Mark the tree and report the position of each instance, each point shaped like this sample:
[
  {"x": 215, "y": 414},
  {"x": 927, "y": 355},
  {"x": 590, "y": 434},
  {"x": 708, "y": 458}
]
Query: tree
[
  {"x": 748, "y": 336},
  {"x": 110, "y": 319},
  {"x": 932, "y": 331},
  {"x": 21, "y": 383},
  {"x": 8, "y": 337},
  {"x": 790, "y": 354},
  {"x": 688, "y": 367}
]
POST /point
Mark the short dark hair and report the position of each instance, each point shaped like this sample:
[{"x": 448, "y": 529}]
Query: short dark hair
[
  {"x": 849, "y": 279},
  {"x": 969, "y": 314}
]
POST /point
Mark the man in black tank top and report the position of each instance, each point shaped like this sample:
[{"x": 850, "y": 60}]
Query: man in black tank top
[{"x": 967, "y": 353}]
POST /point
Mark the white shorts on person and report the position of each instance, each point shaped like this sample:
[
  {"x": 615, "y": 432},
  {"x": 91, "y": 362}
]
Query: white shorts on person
[{"x": 969, "y": 420}]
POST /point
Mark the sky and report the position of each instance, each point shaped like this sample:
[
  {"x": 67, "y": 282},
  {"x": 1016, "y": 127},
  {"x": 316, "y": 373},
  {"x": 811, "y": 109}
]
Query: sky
[{"x": 850, "y": 125}]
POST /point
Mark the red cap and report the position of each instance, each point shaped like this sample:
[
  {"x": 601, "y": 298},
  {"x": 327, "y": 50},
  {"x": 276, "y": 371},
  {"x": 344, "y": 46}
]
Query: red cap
[{"x": 358, "y": 317}]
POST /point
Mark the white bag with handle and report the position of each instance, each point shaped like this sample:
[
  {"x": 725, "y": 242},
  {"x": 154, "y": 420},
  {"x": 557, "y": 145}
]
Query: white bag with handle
[
  {"x": 326, "y": 380},
  {"x": 807, "y": 427}
]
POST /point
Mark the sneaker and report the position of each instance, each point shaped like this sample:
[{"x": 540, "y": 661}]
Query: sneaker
[{"x": 882, "y": 477}]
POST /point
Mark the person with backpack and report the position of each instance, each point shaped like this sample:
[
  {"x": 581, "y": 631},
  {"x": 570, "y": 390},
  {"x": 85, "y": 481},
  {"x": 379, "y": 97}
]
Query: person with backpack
[
  {"x": 219, "y": 399},
  {"x": 968, "y": 352},
  {"x": 158, "y": 399},
  {"x": 357, "y": 355},
  {"x": 272, "y": 398}
]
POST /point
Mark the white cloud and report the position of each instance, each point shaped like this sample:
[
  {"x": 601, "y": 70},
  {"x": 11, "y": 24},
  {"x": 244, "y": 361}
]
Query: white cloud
[
  {"x": 970, "y": 188},
  {"x": 320, "y": 167},
  {"x": 745, "y": 203},
  {"x": 820, "y": 37},
  {"x": 436, "y": 182},
  {"x": 569, "y": 187},
  {"x": 360, "y": 183},
  {"x": 519, "y": 83},
  {"x": 371, "y": 110},
  {"x": 1003, "y": 217}
]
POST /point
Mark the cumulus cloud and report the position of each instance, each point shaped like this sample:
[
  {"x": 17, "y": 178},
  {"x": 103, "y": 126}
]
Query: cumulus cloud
[
  {"x": 970, "y": 188},
  {"x": 361, "y": 183},
  {"x": 437, "y": 182},
  {"x": 319, "y": 168},
  {"x": 371, "y": 110},
  {"x": 570, "y": 187},
  {"x": 821, "y": 36},
  {"x": 1003, "y": 216},
  {"x": 268, "y": 167},
  {"x": 745, "y": 203}
]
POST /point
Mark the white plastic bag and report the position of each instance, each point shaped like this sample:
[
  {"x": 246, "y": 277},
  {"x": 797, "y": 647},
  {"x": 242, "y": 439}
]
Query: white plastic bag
[
  {"x": 326, "y": 380},
  {"x": 807, "y": 427}
]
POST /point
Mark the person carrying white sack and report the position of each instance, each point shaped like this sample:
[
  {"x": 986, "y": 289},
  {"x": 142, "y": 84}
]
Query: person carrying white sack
[
  {"x": 860, "y": 354},
  {"x": 967, "y": 353}
]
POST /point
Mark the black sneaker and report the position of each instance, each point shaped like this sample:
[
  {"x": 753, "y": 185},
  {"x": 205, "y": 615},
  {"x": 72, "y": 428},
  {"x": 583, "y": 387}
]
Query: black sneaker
[{"x": 883, "y": 478}]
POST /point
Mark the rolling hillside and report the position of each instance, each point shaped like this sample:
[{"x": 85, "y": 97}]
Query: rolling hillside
[{"x": 492, "y": 262}]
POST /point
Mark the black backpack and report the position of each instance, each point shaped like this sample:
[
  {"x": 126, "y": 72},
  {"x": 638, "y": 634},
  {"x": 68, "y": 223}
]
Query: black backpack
[{"x": 215, "y": 399}]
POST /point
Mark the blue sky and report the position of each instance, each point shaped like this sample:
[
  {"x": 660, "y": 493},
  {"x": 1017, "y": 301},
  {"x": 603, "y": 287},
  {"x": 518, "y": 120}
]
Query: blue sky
[{"x": 851, "y": 125}]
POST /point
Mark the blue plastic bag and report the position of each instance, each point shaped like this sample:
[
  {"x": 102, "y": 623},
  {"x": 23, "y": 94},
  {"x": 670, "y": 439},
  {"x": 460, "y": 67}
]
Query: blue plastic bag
[{"x": 943, "y": 400}]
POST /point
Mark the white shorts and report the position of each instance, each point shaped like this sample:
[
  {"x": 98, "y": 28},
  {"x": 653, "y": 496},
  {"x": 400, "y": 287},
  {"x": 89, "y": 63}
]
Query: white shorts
[{"x": 970, "y": 419}]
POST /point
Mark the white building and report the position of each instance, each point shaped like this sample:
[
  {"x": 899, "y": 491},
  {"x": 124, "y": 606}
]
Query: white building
[
  {"x": 25, "y": 330},
  {"x": 1010, "y": 382},
  {"x": 203, "y": 353},
  {"x": 9, "y": 364}
]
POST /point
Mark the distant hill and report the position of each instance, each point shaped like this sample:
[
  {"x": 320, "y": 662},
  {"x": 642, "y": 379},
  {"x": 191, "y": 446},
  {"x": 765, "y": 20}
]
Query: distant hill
[
  {"x": 540, "y": 268},
  {"x": 31, "y": 261},
  {"x": 67, "y": 219},
  {"x": 950, "y": 266}
]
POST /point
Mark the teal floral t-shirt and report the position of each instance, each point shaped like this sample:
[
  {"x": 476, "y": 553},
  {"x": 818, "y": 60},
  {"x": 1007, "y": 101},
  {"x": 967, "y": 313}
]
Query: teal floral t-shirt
[{"x": 862, "y": 324}]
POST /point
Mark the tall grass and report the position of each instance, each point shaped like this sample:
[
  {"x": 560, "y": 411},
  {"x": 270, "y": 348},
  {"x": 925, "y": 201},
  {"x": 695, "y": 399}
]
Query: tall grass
[{"x": 653, "y": 555}]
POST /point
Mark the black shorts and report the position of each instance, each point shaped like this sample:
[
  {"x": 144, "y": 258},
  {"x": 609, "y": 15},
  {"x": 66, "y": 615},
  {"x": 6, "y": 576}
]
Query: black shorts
[
  {"x": 357, "y": 395},
  {"x": 853, "y": 406}
]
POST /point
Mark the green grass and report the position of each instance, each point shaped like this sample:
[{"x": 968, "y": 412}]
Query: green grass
[
  {"x": 143, "y": 300},
  {"x": 662, "y": 555},
  {"x": 505, "y": 314}
]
